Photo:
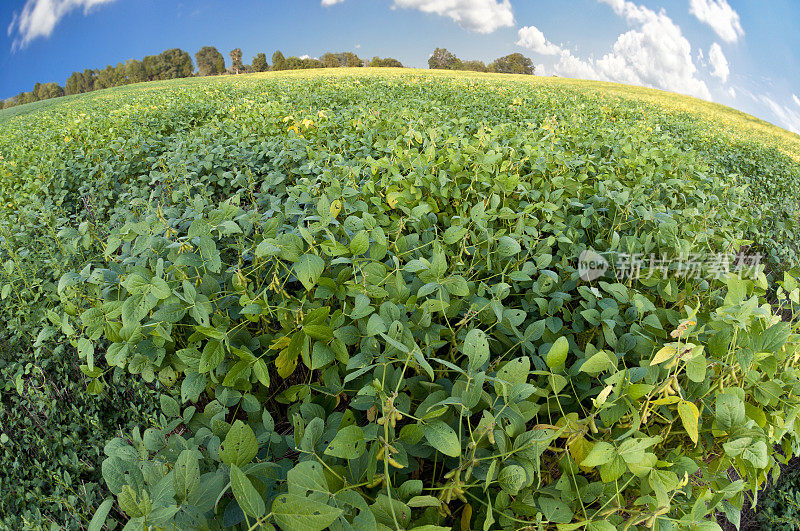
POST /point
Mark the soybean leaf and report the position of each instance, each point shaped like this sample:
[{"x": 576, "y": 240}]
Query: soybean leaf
[
  {"x": 248, "y": 498},
  {"x": 308, "y": 269},
  {"x": 476, "y": 348},
  {"x": 442, "y": 437},
  {"x": 349, "y": 443},
  {"x": 297, "y": 513},
  {"x": 689, "y": 417},
  {"x": 186, "y": 474},
  {"x": 240, "y": 445},
  {"x": 557, "y": 355}
]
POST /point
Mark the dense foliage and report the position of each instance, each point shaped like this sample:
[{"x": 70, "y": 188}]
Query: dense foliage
[
  {"x": 358, "y": 298},
  {"x": 515, "y": 63},
  {"x": 209, "y": 61},
  {"x": 169, "y": 64},
  {"x": 176, "y": 64},
  {"x": 387, "y": 62},
  {"x": 779, "y": 509}
]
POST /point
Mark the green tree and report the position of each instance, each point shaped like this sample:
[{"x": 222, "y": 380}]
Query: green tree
[
  {"x": 209, "y": 61},
  {"x": 73, "y": 83},
  {"x": 260, "y": 63},
  {"x": 88, "y": 80},
  {"x": 120, "y": 76},
  {"x": 177, "y": 64},
  {"x": 352, "y": 60},
  {"x": 515, "y": 63},
  {"x": 37, "y": 88},
  {"x": 293, "y": 63},
  {"x": 475, "y": 66},
  {"x": 330, "y": 60},
  {"x": 278, "y": 61},
  {"x": 105, "y": 78},
  {"x": 135, "y": 71},
  {"x": 296, "y": 63},
  {"x": 152, "y": 67},
  {"x": 111, "y": 76},
  {"x": 26, "y": 97},
  {"x": 236, "y": 61},
  {"x": 45, "y": 91},
  {"x": 349, "y": 59},
  {"x": 169, "y": 64},
  {"x": 443, "y": 59},
  {"x": 81, "y": 82},
  {"x": 387, "y": 62}
]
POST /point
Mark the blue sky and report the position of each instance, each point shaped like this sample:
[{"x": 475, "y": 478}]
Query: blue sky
[{"x": 742, "y": 53}]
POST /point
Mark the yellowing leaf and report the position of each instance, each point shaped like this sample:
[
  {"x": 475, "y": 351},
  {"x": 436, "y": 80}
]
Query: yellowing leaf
[
  {"x": 689, "y": 416},
  {"x": 603, "y": 396},
  {"x": 579, "y": 449},
  {"x": 336, "y": 207},
  {"x": 663, "y": 355},
  {"x": 280, "y": 343},
  {"x": 392, "y": 198},
  {"x": 466, "y": 518},
  {"x": 286, "y": 363}
]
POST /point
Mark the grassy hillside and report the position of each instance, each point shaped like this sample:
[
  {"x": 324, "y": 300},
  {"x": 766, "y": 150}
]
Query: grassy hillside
[
  {"x": 356, "y": 298},
  {"x": 721, "y": 119}
]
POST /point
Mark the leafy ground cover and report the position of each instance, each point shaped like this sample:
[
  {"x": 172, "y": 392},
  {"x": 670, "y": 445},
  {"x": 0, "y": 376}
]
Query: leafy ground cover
[{"x": 353, "y": 300}]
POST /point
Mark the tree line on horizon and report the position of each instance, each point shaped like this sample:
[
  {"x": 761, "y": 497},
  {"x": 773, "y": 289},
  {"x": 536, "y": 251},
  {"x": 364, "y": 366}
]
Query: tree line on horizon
[
  {"x": 176, "y": 63},
  {"x": 514, "y": 63}
]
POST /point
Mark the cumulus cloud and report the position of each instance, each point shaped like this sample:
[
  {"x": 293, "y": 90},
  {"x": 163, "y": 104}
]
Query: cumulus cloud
[
  {"x": 481, "y": 16},
  {"x": 38, "y": 18},
  {"x": 571, "y": 66},
  {"x": 568, "y": 65},
  {"x": 720, "y": 16},
  {"x": 719, "y": 64},
  {"x": 701, "y": 58},
  {"x": 654, "y": 53},
  {"x": 532, "y": 38},
  {"x": 788, "y": 117}
]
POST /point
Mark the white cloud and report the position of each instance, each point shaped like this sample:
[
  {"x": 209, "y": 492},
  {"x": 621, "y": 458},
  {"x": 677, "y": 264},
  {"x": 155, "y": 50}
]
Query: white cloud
[
  {"x": 796, "y": 99},
  {"x": 568, "y": 65},
  {"x": 358, "y": 46},
  {"x": 654, "y": 54},
  {"x": 38, "y": 18},
  {"x": 305, "y": 56},
  {"x": 732, "y": 92},
  {"x": 719, "y": 64},
  {"x": 10, "y": 29},
  {"x": 720, "y": 16},
  {"x": 481, "y": 16},
  {"x": 789, "y": 118},
  {"x": 701, "y": 59},
  {"x": 532, "y": 38}
]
